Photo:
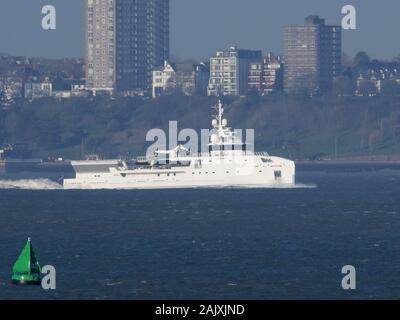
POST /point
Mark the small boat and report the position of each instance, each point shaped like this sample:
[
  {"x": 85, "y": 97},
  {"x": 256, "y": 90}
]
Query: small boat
[{"x": 27, "y": 269}]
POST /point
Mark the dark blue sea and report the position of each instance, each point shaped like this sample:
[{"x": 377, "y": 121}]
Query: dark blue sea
[{"x": 211, "y": 244}]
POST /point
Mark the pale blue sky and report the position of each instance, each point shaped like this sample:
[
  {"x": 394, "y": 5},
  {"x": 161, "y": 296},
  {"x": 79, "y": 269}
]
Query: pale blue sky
[{"x": 200, "y": 27}]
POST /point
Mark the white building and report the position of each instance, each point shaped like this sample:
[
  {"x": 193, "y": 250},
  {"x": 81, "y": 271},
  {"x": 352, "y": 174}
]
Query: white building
[
  {"x": 379, "y": 78},
  {"x": 229, "y": 71},
  {"x": 38, "y": 89},
  {"x": 78, "y": 90},
  {"x": 163, "y": 79},
  {"x": 62, "y": 94},
  {"x": 181, "y": 77}
]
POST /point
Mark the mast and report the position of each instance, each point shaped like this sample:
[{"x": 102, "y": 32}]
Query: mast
[{"x": 220, "y": 114}]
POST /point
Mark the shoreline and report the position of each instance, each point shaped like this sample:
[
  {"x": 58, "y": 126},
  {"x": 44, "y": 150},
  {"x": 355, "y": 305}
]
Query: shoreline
[
  {"x": 345, "y": 162},
  {"x": 348, "y": 165}
]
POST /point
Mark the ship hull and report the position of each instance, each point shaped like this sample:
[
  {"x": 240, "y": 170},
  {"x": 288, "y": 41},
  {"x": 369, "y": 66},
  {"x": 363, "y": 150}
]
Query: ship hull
[{"x": 159, "y": 186}]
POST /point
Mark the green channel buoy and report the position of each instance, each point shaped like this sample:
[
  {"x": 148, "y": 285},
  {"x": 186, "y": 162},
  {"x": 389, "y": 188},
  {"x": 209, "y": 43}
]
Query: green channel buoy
[{"x": 27, "y": 269}]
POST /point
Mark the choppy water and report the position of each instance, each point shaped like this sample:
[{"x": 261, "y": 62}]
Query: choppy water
[{"x": 209, "y": 244}]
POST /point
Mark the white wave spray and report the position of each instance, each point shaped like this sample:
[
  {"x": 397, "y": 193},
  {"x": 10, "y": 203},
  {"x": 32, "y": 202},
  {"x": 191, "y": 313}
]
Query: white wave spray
[
  {"x": 39, "y": 184},
  {"x": 283, "y": 186},
  {"x": 45, "y": 184}
]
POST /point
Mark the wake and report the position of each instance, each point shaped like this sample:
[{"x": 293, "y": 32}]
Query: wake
[
  {"x": 277, "y": 186},
  {"x": 45, "y": 184},
  {"x": 39, "y": 184}
]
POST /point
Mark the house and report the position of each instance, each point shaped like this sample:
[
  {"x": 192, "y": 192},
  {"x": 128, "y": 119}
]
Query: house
[{"x": 184, "y": 78}]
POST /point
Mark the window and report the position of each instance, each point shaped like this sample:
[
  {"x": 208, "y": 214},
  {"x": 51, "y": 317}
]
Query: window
[{"x": 278, "y": 175}]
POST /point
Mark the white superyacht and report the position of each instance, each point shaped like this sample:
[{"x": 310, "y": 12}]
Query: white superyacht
[{"x": 228, "y": 163}]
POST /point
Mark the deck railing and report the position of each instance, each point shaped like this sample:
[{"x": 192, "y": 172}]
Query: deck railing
[{"x": 201, "y": 155}]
